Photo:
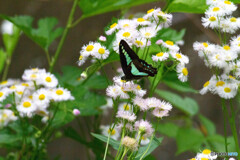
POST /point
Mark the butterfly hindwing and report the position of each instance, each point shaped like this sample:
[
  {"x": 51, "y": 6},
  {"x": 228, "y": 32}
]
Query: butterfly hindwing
[{"x": 133, "y": 67}]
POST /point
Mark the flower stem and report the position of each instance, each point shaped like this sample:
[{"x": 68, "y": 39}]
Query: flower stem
[
  {"x": 68, "y": 26},
  {"x": 224, "y": 109},
  {"x": 106, "y": 149},
  {"x": 5, "y": 72},
  {"x": 233, "y": 128}
]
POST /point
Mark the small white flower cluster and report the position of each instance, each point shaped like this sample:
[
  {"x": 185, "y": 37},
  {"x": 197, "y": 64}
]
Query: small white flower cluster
[
  {"x": 6, "y": 116},
  {"x": 222, "y": 59},
  {"x": 34, "y": 94},
  {"x": 219, "y": 16},
  {"x": 205, "y": 154},
  {"x": 126, "y": 111}
]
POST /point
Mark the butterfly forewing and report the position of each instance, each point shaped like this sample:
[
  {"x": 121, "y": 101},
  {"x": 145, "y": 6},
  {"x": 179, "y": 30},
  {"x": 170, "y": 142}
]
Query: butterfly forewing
[{"x": 133, "y": 67}]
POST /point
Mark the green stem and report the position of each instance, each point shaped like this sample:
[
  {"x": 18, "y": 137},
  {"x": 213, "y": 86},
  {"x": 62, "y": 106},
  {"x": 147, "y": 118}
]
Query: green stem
[
  {"x": 48, "y": 57},
  {"x": 233, "y": 128},
  {"x": 124, "y": 153},
  {"x": 106, "y": 149},
  {"x": 154, "y": 86},
  {"x": 68, "y": 26},
  {"x": 224, "y": 109},
  {"x": 5, "y": 72}
]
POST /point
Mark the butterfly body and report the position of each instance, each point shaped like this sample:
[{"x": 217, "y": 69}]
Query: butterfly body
[{"x": 133, "y": 67}]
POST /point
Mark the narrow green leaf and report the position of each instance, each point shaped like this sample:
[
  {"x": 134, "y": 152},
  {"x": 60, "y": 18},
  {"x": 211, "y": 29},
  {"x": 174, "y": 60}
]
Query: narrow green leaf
[
  {"x": 115, "y": 144},
  {"x": 187, "y": 105},
  {"x": 2, "y": 59},
  {"x": 168, "y": 129},
  {"x": 189, "y": 139},
  {"x": 95, "y": 7}
]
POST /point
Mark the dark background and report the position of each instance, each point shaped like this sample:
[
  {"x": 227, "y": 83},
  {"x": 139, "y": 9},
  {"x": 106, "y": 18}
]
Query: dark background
[{"x": 28, "y": 54}]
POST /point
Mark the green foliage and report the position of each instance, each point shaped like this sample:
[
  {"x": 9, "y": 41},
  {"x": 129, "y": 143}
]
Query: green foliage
[
  {"x": 209, "y": 125},
  {"x": 155, "y": 143},
  {"x": 189, "y": 139},
  {"x": 95, "y": 7},
  {"x": 112, "y": 142},
  {"x": 44, "y": 35},
  {"x": 169, "y": 34},
  {"x": 187, "y": 104},
  {"x": 172, "y": 81},
  {"x": 169, "y": 129},
  {"x": 3, "y": 56}
]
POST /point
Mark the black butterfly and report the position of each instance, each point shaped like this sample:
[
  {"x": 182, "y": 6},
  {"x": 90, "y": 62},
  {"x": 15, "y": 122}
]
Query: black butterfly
[{"x": 133, "y": 67}]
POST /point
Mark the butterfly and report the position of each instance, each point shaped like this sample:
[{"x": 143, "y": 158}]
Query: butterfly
[{"x": 133, "y": 67}]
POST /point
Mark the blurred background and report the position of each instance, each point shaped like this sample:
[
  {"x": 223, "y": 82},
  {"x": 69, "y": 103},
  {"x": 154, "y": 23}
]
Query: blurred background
[{"x": 28, "y": 54}]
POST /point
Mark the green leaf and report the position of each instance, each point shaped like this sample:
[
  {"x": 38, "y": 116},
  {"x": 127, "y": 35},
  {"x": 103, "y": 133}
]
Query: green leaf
[
  {"x": 187, "y": 104},
  {"x": 7, "y": 140},
  {"x": 189, "y": 139},
  {"x": 218, "y": 143},
  {"x": 168, "y": 129},
  {"x": 3, "y": 56},
  {"x": 115, "y": 144},
  {"x": 189, "y": 6},
  {"x": 209, "y": 125},
  {"x": 172, "y": 81},
  {"x": 44, "y": 35},
  {"x": 155, "y": 143},
  {"x": 150, "y": 157},
  {"x": 95, "y": 7},
  {"x": 169, "y": 34}
]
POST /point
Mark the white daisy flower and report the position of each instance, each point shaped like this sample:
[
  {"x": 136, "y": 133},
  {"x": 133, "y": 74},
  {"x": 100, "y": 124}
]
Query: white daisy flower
[
  {"x": 211, "y": 22},
  {"x": 161, "y": 56},
  {"x": 42, "y": 112},
  {"x": 180, "y": 57},
  {"x": 217, "y": 60},
  {"x": 228, "y": 6},
  {"x": 100, "y": 52},
  {"x": 126, "y": 34},
  {"x": 139, "y": 91},
  {"x": 140, "y": 42},
  {"x": 141, "y": 103},
  {"x": 144, "y": 141},
  {"x": 166, "y": 18},
  {"x": 142, "y": 21},
  {"x": 125, "y": 115},
  {"x": 4, "y": 92},
  {"x": 112, "y": 28},
  {"x": 148, "y": 32},
  {"x": 114, "y": 133},
  {"x": 144, "y": 127},
  {"x": 151, "y": 13},
  {"x": 160, "y": 113},
  {"x": 171, "y": 46},
  {"x": 113, "y": 91},
  {"x": 182, "y": 73},
  {"x": 81, "y": 60},
  {"x": 216, "y": 11},
  {"x": 206, "y": 154},
  {"x": 32, "y": 74},
  {"x": 228, "y": 91},
  {"x": 213, "y": 2},
  {"x": 26, "y": 108},
  {"x": 6, "y": 116},
  {"x": 61, "y": 94},
  {"x": 126, "y": 24},
  {"x": 41, "y": 98},
  {"x": 125, "y": 107},
  {"x": 205, "y": 88},
  {"x": 153, "y": 102},
  {"x": 8, "y": 83},
  {"x": 48, "y": 80},
  {"x": 88, "y": 49}
]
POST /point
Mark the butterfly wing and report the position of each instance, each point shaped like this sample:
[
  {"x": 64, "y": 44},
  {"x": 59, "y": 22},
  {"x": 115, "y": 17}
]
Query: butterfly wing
[{"x": 133, "y": 67}]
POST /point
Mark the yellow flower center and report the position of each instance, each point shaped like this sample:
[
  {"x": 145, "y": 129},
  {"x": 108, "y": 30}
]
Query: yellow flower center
[
  {"x": 126, "y": 25},
  {"x": 217, "y": 57},
  {"x": 123, "y": 90},
  {"x": 48, "y": 79},
  {"x": 139, "y": 87},
  {"x": 227, "y": 2},
  {"x": 126, "y": 34},
  {"x": 33, "y": 76},
  {"x": 41, "y": 97},
  {"x": 26, "y": 104},
  {"x": 204, "y": 158},
  {"x": 124, "y": 81},
  {"x": 178, "y": 55},
  {"x": 149, "y": 11},
  {"x": 112, "y": 132},
  {"x": 238, "y": 39},
  {"x": 220, "y": 83},
  {"x": 227, "y": 90},
  {"x": 193, "y": 159},
  {"x": 185, "y": 71},
  {"x": 206, "y": 151},
  {"x": 161, "y": 12},
  {"x": 25, "y": 84},
  {"x": 13, "y": 87},
  {"x": 1, "y": 94},
  {"x": 113, "y": 25},
  {"x": 205, "y": 44},
  {"x": 59, "y": 92},
  {"x": 212, "y": 19},
  {"x": 89, "y": 48},
  {"x": 230, "y": 76},
  {"x": 126, "y": 107},
  {"x": 140, "y": 43},
  {"x": 206, "y": 84},
  {"x": 160, "y": 54},
  {"x": 169, "y": 43},
  {"x": 147, "y": 34},
  {"x": 30, "y": 97},
  {"x": 35, "y": 69},
  {"x": 215, "y": 9},
  {"x": 80, "y": 58},
  {"x": 226, "y": 47},
  {"x": 3, "y": 82},
  {"x": 233, "y": 19},
  {"x": 20, "y": 92},
  {"x": 101, "y": 50},
  {"x": 140, "y": 19},
  {"x": 5, "y": 115}
]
